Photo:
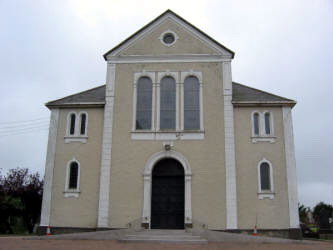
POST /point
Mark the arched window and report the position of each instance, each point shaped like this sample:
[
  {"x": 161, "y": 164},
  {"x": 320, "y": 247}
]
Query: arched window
[
  {"x": 144, "y": 103},
  {"x": 168, "y": 103},
  {"x": 256, "y": 124},
  {"x": 191, "y": 103},
  {"x": 267, "y": 123},
  {"x": 72, "y": 124},
  {"x": 83, "y": 123},
  {"x": 265, "y": 183},
  {"x": 73, "y": 176}
]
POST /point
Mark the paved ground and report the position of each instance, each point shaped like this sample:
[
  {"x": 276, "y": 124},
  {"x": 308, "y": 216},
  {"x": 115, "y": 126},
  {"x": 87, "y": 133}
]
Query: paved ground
[{"x": 11, "y": 243}]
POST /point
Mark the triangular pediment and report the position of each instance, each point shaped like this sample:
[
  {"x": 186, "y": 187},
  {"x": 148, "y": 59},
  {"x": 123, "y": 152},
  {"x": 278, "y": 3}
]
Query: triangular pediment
[{"x": 189, "y": 40}]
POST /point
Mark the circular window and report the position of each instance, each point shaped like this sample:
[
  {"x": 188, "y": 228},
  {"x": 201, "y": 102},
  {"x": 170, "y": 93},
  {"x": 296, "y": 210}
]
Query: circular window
[{"x": 168, "y": 38}]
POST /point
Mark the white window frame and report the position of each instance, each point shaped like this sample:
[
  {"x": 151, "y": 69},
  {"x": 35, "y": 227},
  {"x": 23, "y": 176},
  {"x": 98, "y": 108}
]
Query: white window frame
[
  {"x": 137, "y": 76},
  {"x": 266, "y": 194},
  {"x": 76, "y": 137},
  {"x": 179, "y": 133},
  {"x": 166, "y": 32},
  {"x": 72, "y": 192},
  {"x": 262, "y": 137}
]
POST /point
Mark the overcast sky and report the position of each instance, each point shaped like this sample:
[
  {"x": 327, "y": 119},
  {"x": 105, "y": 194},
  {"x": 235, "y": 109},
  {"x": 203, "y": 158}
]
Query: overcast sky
[{"x": 50, "y": 49}]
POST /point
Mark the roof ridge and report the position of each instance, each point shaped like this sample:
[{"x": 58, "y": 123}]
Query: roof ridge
[
  {"x": 50, "y": 102},
  {"x": 287, "y": 99}
]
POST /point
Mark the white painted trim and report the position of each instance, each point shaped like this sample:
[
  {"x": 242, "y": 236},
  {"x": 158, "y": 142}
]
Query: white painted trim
[
  {"x": 157, "y": 23},
  {"x": 229, "y": 138},
  {"x": 291, "y": 167},
  {"x": 165, "y": 60},
  {"x": 76, "y": 137},
  {"x": 271, "y": 179},
  {"x": 262, "y": 136},
  {"x": 105, "y": 173},
  {"x": 147, "y": 179},
  {"x": 77, "y": 189},
  {"x": 181, "y": 135},
  {"x": 72, "y": 194},
  {"x": 176, "y": 37},
  {"x": 69, "y": 123},
  {"x": 262, "y": 196},
  {"x": 82, "y": 139},
  {"x": 49, "y": 166}
]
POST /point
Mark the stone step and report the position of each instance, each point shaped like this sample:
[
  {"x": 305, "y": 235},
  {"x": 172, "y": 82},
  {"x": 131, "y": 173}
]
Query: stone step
[{"x": 179, "y": 236}]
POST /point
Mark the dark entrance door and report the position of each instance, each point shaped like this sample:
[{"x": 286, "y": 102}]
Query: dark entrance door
[{"x": 167, "y": 201}]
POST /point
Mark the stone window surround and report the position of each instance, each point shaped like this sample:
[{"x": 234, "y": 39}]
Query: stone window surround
[
  {"x": 262, "y": 137},
  {"x": 72, "y": 192},
  {"x": 77, "y": 137},
  {"x": 179, "y": 133},
  {"x": 161, "y": 37},
  {"x": 266, "y": 194}
]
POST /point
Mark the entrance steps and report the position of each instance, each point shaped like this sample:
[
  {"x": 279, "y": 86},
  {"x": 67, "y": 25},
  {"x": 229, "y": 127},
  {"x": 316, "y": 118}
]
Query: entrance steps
[{"x": 157, "y": 235}]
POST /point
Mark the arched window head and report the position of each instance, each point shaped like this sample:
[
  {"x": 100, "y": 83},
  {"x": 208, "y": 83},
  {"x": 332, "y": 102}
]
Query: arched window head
[
  {"x": 73, "y": 175},
  {"x": 168, "y": 103},
  {"x": 265, "y": 180},
  {"x": 144, "y": 104},
  {"x": 191, "y": 103},
  {"x": 267, "y": 123},
  {"x": 83, "y": 124},
  {"x": 256, "y": 124},
  {"x": 72, "y": 124}
]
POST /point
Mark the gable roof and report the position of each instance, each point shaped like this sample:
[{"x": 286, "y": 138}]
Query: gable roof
[
  {"x": 168, "y": 12},
  {"x": 242, "y": 95},
  {"x": 90, "y": 97}
]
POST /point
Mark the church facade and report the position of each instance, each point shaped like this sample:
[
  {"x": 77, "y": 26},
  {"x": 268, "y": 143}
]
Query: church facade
[{"x": 170, "y": 141}]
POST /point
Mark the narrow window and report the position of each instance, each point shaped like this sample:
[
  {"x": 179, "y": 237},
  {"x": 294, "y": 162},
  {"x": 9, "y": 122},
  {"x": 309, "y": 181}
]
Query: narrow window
[
  {"x": 191, "y": 103},
  {"x": 83, "y": 124},
  {"x": 265, "y": 176},
  {"x": 73, "y": 175},
  {"x": 168, "y": 103},
  {"x": 267, "y": 123},
  {"x": 256, "y": 123},
  {"x": 144, "y": 103},
  {"x": 72, "y": 124}
]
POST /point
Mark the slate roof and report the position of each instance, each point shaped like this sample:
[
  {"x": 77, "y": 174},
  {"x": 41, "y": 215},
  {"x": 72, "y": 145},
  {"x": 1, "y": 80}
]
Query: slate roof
[
  {"x": 242, "y": 96},
  {"x": 95, "y": 96}
]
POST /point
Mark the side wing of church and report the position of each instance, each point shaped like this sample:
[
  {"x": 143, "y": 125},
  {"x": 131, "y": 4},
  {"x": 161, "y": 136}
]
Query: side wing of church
[{"x": 171, "y": 142}]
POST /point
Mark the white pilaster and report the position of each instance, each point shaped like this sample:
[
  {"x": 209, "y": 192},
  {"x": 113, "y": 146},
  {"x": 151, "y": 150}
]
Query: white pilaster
[
  {"x": 230, "y": 162},
  {"x": 104, "y": 192},
  {"x": 291, "y": 167},
  {"x": 49, "y": 166}
]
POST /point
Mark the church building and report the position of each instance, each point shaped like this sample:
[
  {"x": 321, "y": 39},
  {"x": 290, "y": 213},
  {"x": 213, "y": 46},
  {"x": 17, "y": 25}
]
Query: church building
[{"x": 171, "y": 142}]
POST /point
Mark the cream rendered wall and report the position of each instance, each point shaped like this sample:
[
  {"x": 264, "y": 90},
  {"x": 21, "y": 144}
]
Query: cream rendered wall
[
  {"x": 206, "y": 157},
  {"x": 150, "y": 44},
  {"x": 271, "y": 214},
  {"x": 81, "y": 211}
]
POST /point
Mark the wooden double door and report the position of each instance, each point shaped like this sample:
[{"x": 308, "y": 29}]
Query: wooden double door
[{"x": 168, "y": 195}]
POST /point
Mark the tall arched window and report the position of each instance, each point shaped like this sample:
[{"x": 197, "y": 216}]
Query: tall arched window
[
  {"x": 168, "y": 103},
  {"x": 72, "y": 124},
  {"x": 267, "y": 123},
  {"x": 256, "y": 124},
  {"x": 144, "y": 103},
  {"x": 191, "y": 103},
  {"x": 83, "y": 124},
  {"x": 73, "y": 176},
  {"x": 265, "y": 183}
]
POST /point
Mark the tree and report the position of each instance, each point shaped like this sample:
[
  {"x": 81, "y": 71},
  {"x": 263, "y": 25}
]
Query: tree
[
  {"x": 20, "y": 196},
  {"x": 319, "y": 206},
  {"x": 303, "y": 213}
]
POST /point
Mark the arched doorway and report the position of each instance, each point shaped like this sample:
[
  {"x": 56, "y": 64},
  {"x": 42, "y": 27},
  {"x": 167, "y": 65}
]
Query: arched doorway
[{"x": 168, "y": 195}]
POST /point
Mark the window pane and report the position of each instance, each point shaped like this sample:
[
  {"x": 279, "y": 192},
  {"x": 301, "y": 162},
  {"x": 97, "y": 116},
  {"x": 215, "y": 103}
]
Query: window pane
[
  {"x": 256, "y": 123},
  {"x": 267, "y": 124},
  {"x": 73, "y": 175},
  {"x": 72, "y": 125},
  {"x": 168, "y": 103},
  {"x": 191, "y": 103},
  {"x": 265, "y": 176},
  {"x": 83, "y": 124},
  {"x": 144, "y": 103}
]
